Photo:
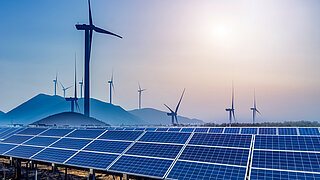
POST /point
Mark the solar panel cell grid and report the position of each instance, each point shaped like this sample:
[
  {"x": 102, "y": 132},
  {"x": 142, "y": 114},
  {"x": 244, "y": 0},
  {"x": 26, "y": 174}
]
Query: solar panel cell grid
[
  {"x": 232, "y": 130},
  {"x": 287, "y": 131},
  {"x": 23, "y": 151},
  {"x": 151, "y": 129},
  {"x": 121, "y": 135},
  {"x": 32, "y": 131},
  {"x": 262, "y": 174},
  {"x": 204, "y": 130},
  {"x": 216, "y": 130},
  {"x": 41, "y": 141},
  {"x": 187, "y": 129},
  {"x": 139, "y": 129},
  {"x": 92, "y": 160},
  {"x": 17, "y": 139},
  {"x": 174, "y": 129},
  {"x": 309, "y": 131},
  {"x": 162, "y": 129},
  {"x": 56, "y": 132},
  {"x": 5, "y": 147},
  {"x": 249, "y": 130},
  {"x": 165, "y": 137},
  {"x": 86, "y": 133},
  {"x": 107, "y": 146},
  {"x": 269, "y": 131},
  {"x": 9, "y": 132},
  {"x": 54, "y": 155},
  {"x": 69, "y": 143}
]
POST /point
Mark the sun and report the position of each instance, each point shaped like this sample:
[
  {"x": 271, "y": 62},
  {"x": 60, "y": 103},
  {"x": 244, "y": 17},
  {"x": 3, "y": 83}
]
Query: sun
[{"x": 221, "y": 32}]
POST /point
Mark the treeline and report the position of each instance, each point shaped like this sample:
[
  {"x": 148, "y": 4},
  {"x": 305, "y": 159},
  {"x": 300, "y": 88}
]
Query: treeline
[{"x": 268, "y": 124}]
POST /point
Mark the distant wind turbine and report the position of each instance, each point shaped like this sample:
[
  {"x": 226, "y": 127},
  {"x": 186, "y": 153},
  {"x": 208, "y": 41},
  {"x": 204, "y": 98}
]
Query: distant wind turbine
[
  {"x": 172, "y": 113},
  {"x": 111, "y": 87},
  {"x": 140, "y": 92},
  {"x": 231, "y": 110},
  {"x": 74, "y": 100},
  {"x": 81, "y": 87},
  {"x": 55, "y": 81},
  {"x": 89, "y": 28},
  {"x": 64, "y": 89},
  {"x": 254, "y": 109}
]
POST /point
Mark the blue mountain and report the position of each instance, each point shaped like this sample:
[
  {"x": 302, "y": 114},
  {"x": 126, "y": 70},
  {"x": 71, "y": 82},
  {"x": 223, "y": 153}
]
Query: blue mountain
[{"x": 1, "y": 113}]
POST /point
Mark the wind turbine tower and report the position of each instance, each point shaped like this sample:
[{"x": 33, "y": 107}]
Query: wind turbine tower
[
  {"x": 111, "y": 87},
  {"x": 55, "y": 81},
  {"x": 89, "y": 28},
  {"x": 254, "y": 109},
  {"x": 81, "y": 87},
  {"x": 74, "y": 100},
  {"x": 140, "y": 93},
  {"x": 231, "y": 110},
  {"x": 64, "y": 89},
  {"x": 172, "y": 113}
]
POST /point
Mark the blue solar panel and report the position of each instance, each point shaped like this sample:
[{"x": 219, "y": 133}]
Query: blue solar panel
[
  {"x": 142, "y": 166},
  {"x": 5, "y": 147},
  {"x": 151, "y": 129},
  {"x": 155, "y": 150},
  {"x": 262, "y": 174},
  {"x": 309, "y": 131},
  {"x": 69, "y": 143},
  {"x": 187, "y": 129},
  {"x": 23, "y": 151},
  {"x": 121, "y": 135},
  {"x": 232, "y": 130},
  {"x": 192, "y": 171},
  {"x": 41, "y": 141},
  {"x": 4, "y": 129},
  {"x": 54, "y": 155},
  {"x": 204, "y": 130},
  {"x": 165, "y": 137},
  {"x": 162, "y": 129},
  {"x": 216, "y": 155},
  {"x": 139, "y": 129},
  {"x": 249, "y": 130},
  {"x": 268, "y": 131},
  {"x": 86, "y": 133},
  {"x": 17, "y": 139},
  {"x": 299, "y": 161},
  {"x": 298, "y": 143},
  {"x": 227, "y": 140},
  {"x": 9, "y": 132},
  {"x": 129, "y": 129},
  {"x": 32, "y": 131},
  {"x": 108, "y": 146},
  {"x": 56, "y": 132},
  {"x": 287, "y": 131},
  {"x": 174, "y": 129},
  {"x": 118, "y": 129},
  {"x": 216, "y": 130},
  {"x": 92, "y": 160}
]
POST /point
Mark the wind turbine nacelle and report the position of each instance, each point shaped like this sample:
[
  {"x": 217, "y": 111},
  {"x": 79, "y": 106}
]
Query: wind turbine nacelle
[
  {"x": 110, "y": 82},
  {"x": 253, "y": 109},
  {"x": 83, "y": 27}
]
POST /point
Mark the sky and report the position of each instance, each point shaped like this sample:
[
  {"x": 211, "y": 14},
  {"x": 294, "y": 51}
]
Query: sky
[{"x": 271, "y": 46}]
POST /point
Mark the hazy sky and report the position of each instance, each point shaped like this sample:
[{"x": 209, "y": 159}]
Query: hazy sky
[{"x": 201, "y": 45}]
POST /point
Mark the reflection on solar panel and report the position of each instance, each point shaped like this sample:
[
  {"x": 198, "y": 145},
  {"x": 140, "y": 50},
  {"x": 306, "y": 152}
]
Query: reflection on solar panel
[
  {"x": 192, "y": 170},
  {"x": 117, "y": 129},
  {"x": 92, "y": 160},
  {"x": 309, "y": 131},
  {"x": 165, "y": 137},
  {"x": 151, "y": 129},
  {"x": 9, "y": 132},
  {"x": 162, "y": 129},
  {"x": 232, "y": 130},
  {"x": 299, "y": 161},
  {"x": 155, "y": 150},
  {"x": 270, "y": 131},
  {"x": 5, "y": 147},
  {"x": 216, "y": 155},
  {"x": 121, "y": 135},
  {"x": 3, "y": 129},
  {"x": 56, "y": 132},
  {"x": 69, "y": 143},
  {"x": 204, "y": 130},
  {"x": 262, "y": 174},
  {"x": 86, "y": 133},
  {"x": 174, "y": 129},
  {"x": 139, "y": 129},
  {"x": 54, "y": 155},
  {"x": 249, "y": 130},
  {"x": 216, "y": 130},
  {"x": 187, "y": 129},
  {"x": 23, "y": 151},
  {"x": 41, "y": 141},
  {"x": 32, "y": 131},
  {"x": 287, "y": 131},
  {"x": 298, "y": 143},
  {"x": 227, "y": 140},
  {"x": 142, "y": 166},
  {"x": 108, "y": 146},
  {"x": 17, "y": 139}
]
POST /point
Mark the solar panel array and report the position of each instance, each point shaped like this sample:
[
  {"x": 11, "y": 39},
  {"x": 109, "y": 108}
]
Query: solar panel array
[{"x": 174, "y": 153}]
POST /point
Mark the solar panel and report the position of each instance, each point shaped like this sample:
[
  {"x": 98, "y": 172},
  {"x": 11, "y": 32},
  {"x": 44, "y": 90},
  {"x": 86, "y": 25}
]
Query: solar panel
[
  {"x": 32, "y": 131},
  {"x": 299, "y": 161},
  {"x": 107, "y": 146},
  {"x": 86, "y": 133},
  {"x": 151, "y": 129},
  {"x": 3, "y": 129},
  {"x": 165, "y": 137},
  {"x": 263, "y": 174},
  {"x": 174, "y": 129},
  {"x": 9, "y": 132},
  {"x": 155, "y": 150},
  {"x": 298, "y": 143},
  {"x": 162, "y": 129},
  {"x": 56, "y": 132},
  {"x": 268, "y": 131},
  {"x": 232, "y": 130},
  {"x": 129, "y": 129},
  {"x": 92, "y": 160},
  {"x": 17, "y": 139},
  {"x": 41, "y": 141},
  {"x": 192, "y": 170},
  {"x": 5, "y": 147},
  {"x": 287, "y": 131},
  {"x": 230, "y": 156},
  {"x": 118, "y": 129},
  {"x": 204, "y": 130},
  {"x": 227, "y": 140},
  {"x": 151, "y": 167},
  {"x": 139, "y": 129},
  {"x": 249, "y": 130},
  {"x": 69, "y": 143},
  {"x": 121, "y": 135},
  {"x": 54, "y": 155},
  {"x": 309, "y": 131},
  {"x": 23, "y": 151},
  {"x": 215, "y": 130},
  {"x": 187, "y": 129}
]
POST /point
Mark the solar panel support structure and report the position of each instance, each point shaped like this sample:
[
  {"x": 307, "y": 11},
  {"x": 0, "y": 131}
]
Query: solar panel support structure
[
  {"x": 91, "y": 174},
  {"x": 17, "y": 166}
]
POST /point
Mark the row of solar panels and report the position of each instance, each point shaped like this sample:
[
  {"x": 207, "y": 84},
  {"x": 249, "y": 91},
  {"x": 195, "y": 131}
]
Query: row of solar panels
[{"x": 171, "y": 155}]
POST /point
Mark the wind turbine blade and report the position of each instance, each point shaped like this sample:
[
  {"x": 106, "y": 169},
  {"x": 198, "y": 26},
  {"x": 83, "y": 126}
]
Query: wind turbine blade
[
  {"x": 61, "y": 85},
  {"x": 176, "y": 117},
  {"x": 139, "y": 86},
  {"x": 169, "y": 108},
  {"x": 232, "y": 103},
  {"x": 90, "y": 15},
  {"x": 77, "y": 105},
  {"x": 234, "y": 117},
  {"x": 75, "y": 75},
  {"x": 99, "y": 30},
  {"x": 258, "y": 111},
  {"x": 254, "y": 99},
  {"x": 68, "y": 87},
  {"x": 180, "y": 100}
]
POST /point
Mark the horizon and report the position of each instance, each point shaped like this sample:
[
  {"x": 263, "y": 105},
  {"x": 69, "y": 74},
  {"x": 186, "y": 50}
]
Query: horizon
[{"x": 269, "y": 46}]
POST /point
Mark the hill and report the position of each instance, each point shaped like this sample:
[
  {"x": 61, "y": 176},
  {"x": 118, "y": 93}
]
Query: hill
[
  {"x": 156, "y": 117},
  {"x": 69, "y": 119},
  {"x": 1, "y": 113}
]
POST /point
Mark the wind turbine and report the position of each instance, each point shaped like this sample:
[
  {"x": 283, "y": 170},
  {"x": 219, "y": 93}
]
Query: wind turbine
[
  {"x": 89, "y": 28},
  {"x": 111, "y": 87},
  {"x": 64, "y": 89},
  {"x": 231, "y": 110},
  {"x": 172, "y": 113},
  {"x": 81, "y": 87},
  {"x": 254, "y": 109},
  {"x": 140, "y": 92},
  {"x": 74, "y": 100},
  {"x": 55, "y": 81}
]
